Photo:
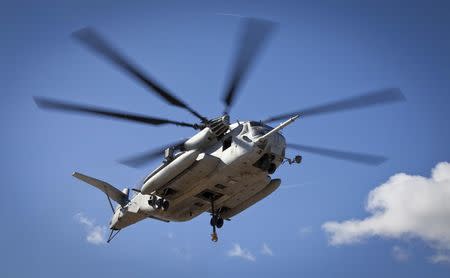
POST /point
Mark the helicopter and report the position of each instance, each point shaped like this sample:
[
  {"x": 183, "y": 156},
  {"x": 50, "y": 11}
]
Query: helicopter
[{"x": 225, "y": 167}]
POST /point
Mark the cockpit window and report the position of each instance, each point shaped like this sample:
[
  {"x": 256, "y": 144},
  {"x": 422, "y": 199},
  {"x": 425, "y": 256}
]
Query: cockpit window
[
  {"x": 259, "y": 128},
  {"x": 259, "y": 131},
  {"x": 254, "y": 123}
]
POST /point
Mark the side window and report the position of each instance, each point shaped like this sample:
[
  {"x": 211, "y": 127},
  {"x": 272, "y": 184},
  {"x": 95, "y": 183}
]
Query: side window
[{"x": 226, "y": 143}]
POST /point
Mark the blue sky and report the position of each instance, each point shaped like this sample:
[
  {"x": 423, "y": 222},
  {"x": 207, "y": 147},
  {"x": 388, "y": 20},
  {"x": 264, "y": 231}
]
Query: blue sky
[{"x": 322, "y": 51}]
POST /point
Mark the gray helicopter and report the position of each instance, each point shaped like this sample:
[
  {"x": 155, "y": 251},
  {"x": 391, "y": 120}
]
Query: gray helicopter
[{"x": 223, "y": 169}]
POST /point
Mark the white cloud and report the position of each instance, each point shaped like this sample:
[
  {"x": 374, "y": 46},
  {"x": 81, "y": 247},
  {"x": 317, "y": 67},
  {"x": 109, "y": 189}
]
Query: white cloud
[
  {"x": 405, "y": 206},
  {"x": 265, "y": 250},
  {"x": 400, "y": 254},
  {"x": 239, "y": 252},
  {"x": 95, "y": 233},
  {"x": 440, "y": 257}
]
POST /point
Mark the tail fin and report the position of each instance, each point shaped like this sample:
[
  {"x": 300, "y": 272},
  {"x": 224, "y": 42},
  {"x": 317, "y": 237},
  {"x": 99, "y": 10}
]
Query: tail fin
[{"x": 120, "y": 197}]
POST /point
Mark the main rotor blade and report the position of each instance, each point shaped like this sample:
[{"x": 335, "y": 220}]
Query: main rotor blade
[
  {"x": 82, "y": 109},
  {"x": 368, "y": 159},
  {"x": 370, "y": 99},
  {"x": 144, "y": 158},
  {"x": 254, "y": 33},
  {"x": 96, "y": 42}
]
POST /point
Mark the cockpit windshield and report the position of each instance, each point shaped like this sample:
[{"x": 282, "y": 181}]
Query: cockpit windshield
[{"x": 259, "y": 128}]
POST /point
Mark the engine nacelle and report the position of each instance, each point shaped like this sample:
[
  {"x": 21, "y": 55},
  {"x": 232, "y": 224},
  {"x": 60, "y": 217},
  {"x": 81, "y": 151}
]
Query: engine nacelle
[
  {"x": 158, "y": 202},
  {"x": 202, "y": 139},
  {"x": 171, "y": 170}
]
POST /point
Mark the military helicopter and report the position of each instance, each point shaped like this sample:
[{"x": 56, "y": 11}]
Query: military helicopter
[{"x": 223, "y": 169}]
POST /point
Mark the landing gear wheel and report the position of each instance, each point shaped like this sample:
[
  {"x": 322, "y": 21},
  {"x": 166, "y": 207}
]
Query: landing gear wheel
[
  {"x": 213, "y": 221},
  {"x": 152, "y": 201},
  {"x": 159, "y": 203},
  {"x": 216, "y": 221},
  {"x": 272, "y": 168},
  {"x": 165, "y": 205},
  {"x": 219, "y": 222}
]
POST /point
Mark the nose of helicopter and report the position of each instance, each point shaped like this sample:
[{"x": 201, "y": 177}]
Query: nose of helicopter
[
  {"x": 277, "y": 144},
  {"x": 267, "y": 136}
]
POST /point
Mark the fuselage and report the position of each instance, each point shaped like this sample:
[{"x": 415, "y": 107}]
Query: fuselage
[{"x": 233, "y": 170}]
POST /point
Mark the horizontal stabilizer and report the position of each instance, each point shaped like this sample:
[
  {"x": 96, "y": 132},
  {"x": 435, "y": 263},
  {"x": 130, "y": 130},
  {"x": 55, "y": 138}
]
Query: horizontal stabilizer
[{"x": 109, "y": 190}]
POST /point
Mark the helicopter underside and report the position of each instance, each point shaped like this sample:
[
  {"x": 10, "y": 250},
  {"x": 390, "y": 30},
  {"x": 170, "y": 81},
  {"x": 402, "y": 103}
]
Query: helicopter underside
[
  {"x": 229, "y": 186},
  {"x": 227, "y": 177}
]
